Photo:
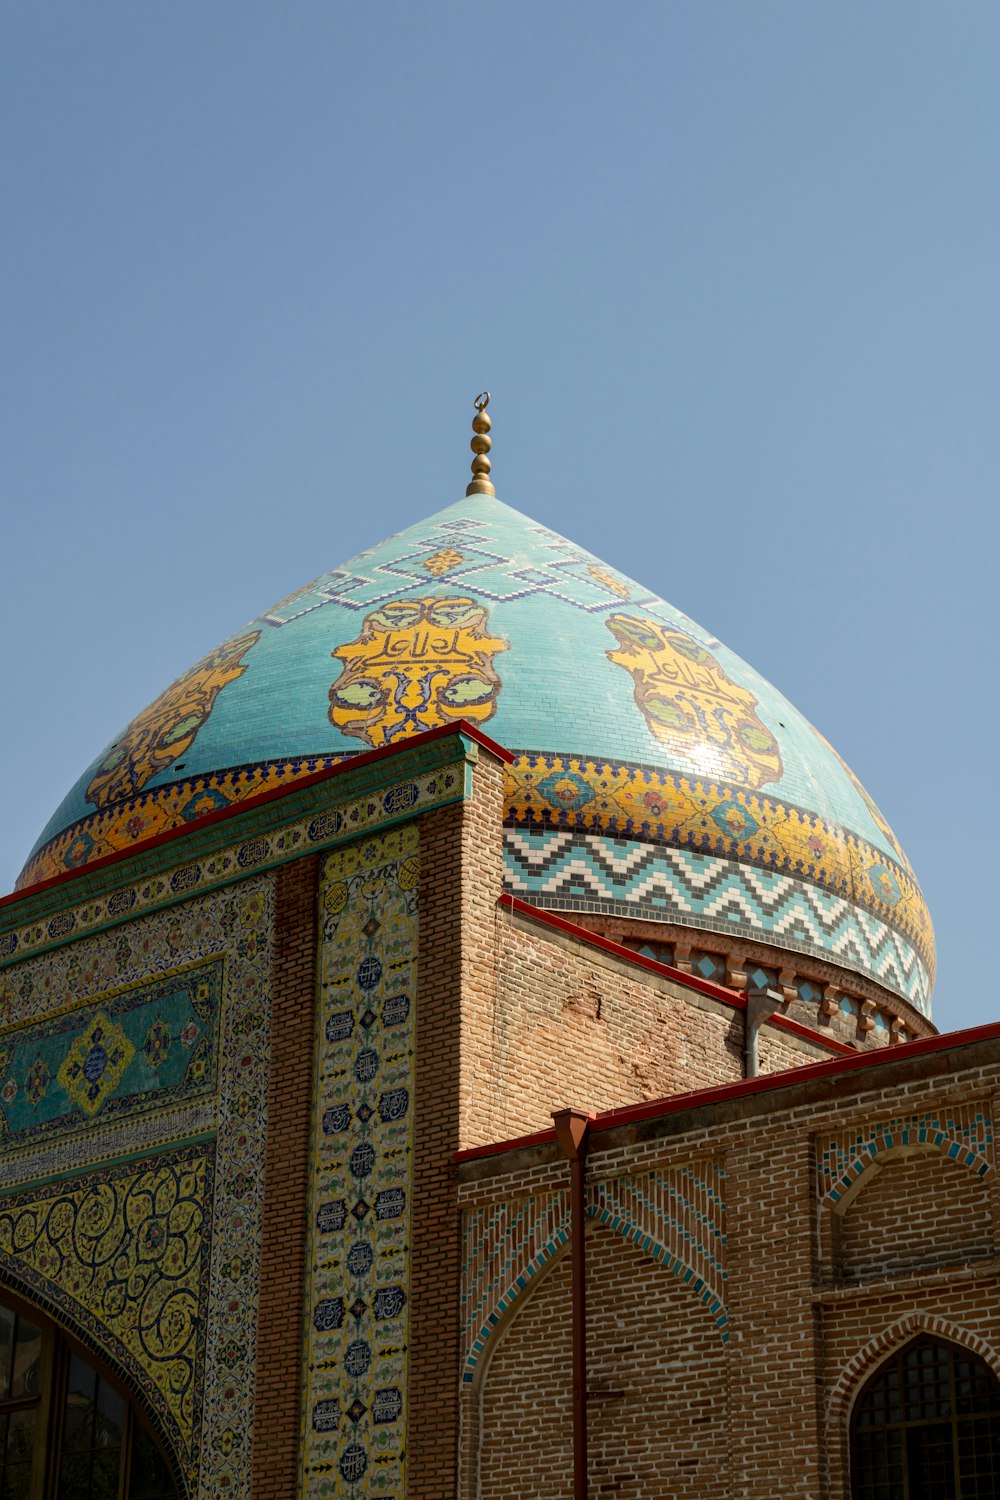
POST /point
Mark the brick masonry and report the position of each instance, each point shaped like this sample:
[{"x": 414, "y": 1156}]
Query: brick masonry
[
  {"x": 283, "y": 1253},
  {"x": 817, "y": 1290}
]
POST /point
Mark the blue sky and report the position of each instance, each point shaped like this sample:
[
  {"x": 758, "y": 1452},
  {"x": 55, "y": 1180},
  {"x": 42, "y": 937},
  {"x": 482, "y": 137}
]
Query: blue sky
[{"x": 729, "y": 270}]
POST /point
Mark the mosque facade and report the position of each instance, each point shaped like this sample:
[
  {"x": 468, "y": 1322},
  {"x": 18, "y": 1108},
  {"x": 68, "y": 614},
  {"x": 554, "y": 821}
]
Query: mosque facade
[{"x": 470, "y": 1036}]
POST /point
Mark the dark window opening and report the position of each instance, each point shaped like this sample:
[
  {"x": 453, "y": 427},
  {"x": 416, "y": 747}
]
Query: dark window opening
[
  {"x": 67, "y": 1430},
  {"x": 927, "y": 1427}
]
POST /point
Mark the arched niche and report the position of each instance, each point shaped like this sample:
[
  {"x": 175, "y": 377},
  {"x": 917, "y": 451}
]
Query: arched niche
[
  {"x": 925, "y": 1425},
  {"x": 69, "y": 1427},
  {"x": 646, "y": 1330},
  {"x": 913, "y": 1207}
]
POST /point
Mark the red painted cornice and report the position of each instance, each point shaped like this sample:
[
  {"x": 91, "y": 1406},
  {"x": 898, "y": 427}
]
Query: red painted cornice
[{"x": 632, "y": 1114}]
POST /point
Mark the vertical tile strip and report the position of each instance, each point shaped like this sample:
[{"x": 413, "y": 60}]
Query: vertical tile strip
[{"x": 354, "y": 1416}]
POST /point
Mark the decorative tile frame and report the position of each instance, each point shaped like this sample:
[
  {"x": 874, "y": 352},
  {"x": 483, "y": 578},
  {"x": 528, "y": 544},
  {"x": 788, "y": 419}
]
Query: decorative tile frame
[
  {"x": 358, "y": 1286},
  {"x": 299, "y": 823},
  {"x": 212, "y": 1443}
]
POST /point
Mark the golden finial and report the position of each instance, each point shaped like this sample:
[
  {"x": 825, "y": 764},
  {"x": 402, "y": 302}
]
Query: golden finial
[{"x": 481, "y": 445}]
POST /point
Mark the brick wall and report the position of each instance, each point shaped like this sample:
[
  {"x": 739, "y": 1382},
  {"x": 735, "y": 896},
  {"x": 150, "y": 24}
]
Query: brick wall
[
  {"x": 922, "y": 1211},
  {"x": 283, "y": 1251},
  {"x": 650, "y": 1431},
  {"x": 575, "y": 1026},
  {"x": 919, "y": 1239}
]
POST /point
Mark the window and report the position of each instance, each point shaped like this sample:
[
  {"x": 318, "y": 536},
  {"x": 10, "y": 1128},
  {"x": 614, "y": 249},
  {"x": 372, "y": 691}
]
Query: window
[
  {"x": 927, "y": 1427},
  {"x": 67, "y": 1432}
]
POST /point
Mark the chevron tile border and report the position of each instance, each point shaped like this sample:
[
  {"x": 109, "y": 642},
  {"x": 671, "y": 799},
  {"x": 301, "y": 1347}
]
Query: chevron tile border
[{"x": 573, "y": 871}]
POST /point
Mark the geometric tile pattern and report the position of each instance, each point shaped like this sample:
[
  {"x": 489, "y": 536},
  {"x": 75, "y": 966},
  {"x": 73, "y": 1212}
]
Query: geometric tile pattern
[
  {"x": 358, "y": 1283},
  {"x": 962, "y": 1132},
  {"x": 675, "y": 1216},
  {"x": 227, "y": 932},
  {"x": 650, "y": 806},
  {"x": 139, "y": 1050},
  {"x": 336, "y": 824},
  {"x": 584, "y": 872}
]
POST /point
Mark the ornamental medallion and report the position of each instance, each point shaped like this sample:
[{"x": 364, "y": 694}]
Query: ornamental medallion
[
  {"x": 417, "y": 663},
  {"x": 692, "y": 706}
]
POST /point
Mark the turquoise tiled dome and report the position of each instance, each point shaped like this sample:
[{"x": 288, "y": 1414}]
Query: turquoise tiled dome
[{"x": 654, "y": 771}]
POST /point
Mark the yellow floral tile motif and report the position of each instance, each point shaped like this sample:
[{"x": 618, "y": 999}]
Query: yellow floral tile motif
[
  {"x": 685, "y": 812},
  {"x": 93, "y": 1066},
  {"x": 692, "y": 706},
  {"x": 122, "y": 826},
  {"x": 417, "y": 664},
  {"x": 166, "y": 729},
  {"x": 123, "y": 1252},
  {"x": 442, "y": 562}
]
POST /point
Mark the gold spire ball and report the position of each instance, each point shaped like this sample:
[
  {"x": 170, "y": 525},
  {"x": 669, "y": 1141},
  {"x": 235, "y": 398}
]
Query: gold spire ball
[{"x": 481, "y": 445}]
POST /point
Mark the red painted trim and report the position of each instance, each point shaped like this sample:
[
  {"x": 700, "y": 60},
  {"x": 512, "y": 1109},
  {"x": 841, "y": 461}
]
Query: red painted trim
[
  {"x": 793, "y": 1076},
  {"x": 328, "y": 773},
  {"x": 690, "y": 981},
  {"x": 519, "y": 1143},
  {"x": 811, "y": 1072}
]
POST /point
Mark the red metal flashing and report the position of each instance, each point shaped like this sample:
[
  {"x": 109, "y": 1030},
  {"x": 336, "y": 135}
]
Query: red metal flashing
[
  {"x": 498, "y": 1148},
  {"x": 328, "y": 773},
  {"x": 789, "y": 1078},
  {"x": 690, "y": 981}
]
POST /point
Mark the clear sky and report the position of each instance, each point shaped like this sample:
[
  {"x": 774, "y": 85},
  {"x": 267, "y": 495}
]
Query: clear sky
[{"x": 729, "y": 270}]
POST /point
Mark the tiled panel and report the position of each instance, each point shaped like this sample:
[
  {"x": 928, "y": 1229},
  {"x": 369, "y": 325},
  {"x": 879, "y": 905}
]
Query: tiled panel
[
  {"x": 580, "y": 872},
  {"x": 144, "y": 1047},
  {"x": 133, "y": 1213},
  {"x": 354, "y": 1417}
]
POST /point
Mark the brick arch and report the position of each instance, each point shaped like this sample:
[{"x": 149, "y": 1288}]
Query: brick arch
[
  {"x": 888, "y": 1144},
  {"x": 862, "y": 1365},
  {"x": 639, "y": 1237},
  {"x": 507, "y": 1305}
]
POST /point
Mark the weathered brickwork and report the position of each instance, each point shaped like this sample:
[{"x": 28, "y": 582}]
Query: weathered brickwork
[
  {"x": 817, "y": 1290},
  {"x": 286, "y": 1164},
  {"x": 576, "y": 1026},
  {"x": 650, "y": 1432}
]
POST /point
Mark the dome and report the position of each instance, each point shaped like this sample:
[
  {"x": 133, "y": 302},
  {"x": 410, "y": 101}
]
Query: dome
[{"x": 655, "y": 773}]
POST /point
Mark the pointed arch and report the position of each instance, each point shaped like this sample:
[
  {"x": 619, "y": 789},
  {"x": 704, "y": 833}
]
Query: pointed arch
[
  {"x": 864, "y": 1363},
  {"x": 644, "y": 1241},
  {"x": 508, "y": 1302},
  {"x": 891, "y": 1145}
]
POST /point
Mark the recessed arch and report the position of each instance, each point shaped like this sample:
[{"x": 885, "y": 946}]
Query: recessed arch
[
  {"x": 893, "y": 1145},
  {"x": 81, "y": 1426},
  {"x": 925, "y": 1423},
  {"x": 867, "y": 1359}
]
